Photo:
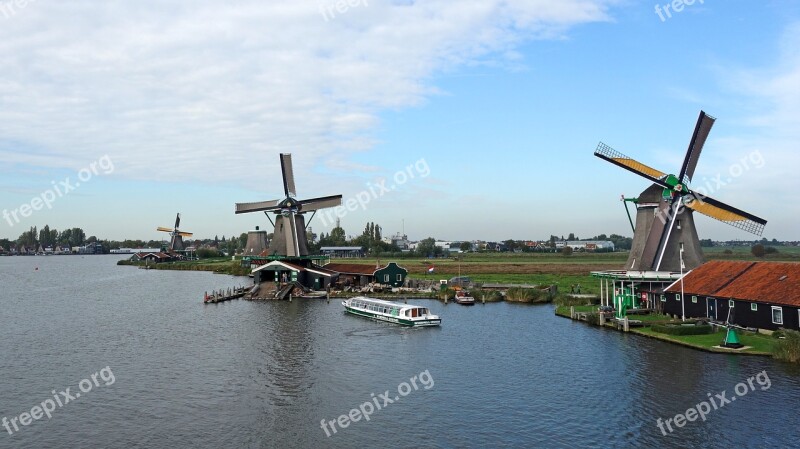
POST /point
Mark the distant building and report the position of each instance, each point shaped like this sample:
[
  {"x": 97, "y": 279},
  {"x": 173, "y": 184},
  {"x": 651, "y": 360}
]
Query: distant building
[
  {"x": 399, "y": 240},
  {"x": 392, "y": 275},
  {"x": 158, "y": 257},
  {"x": 342, "y": 251},
  {"x": 358, "y": 275},
  {"x": 135, "y": 250},
  {"x": 588, "y": 245},
  {"x": 91, "y": 248}
]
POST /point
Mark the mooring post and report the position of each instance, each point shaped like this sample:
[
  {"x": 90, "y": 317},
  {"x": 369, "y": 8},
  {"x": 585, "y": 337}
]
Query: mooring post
[
  {"x": 626, "y": 327},
  {"x": 602, "y": 319},
  {"x": 445, "y": 298},
  {"x": 290, "y": 297},
  {"x": 572, "y": 312}
]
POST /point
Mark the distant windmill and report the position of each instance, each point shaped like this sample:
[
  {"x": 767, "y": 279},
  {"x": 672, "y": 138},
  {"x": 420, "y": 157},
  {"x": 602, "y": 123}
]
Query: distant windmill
[
  {"x": 289, "y": 238},
  {"x": 664, "y": 220},
  {"x": 176, "y": 236}
]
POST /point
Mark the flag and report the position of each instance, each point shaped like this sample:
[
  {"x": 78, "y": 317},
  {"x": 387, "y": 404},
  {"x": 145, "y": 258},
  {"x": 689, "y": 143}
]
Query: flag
[{"x": 430, "y": 269}]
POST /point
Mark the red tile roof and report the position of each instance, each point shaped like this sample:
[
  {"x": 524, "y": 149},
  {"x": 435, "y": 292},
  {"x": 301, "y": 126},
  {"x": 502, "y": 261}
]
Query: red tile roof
[
  {"x": 767, "y": 282},
  {"x": 352, "y": 268}
]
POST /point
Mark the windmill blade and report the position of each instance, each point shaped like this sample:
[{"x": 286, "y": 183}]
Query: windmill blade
[
  {"x": 728, "y": 214},
  {"x": 243, "y": 208},
  {"x": 609, "y": 154},
  {"x": 177, "y": 220},
  {"x": 290, "y": 234},
  {"x": 163, "y": 229},
  {"x": 184, "y": 234},
  {"x": 288, "y": 175},
  {"x": 701, "y": 130},
  {"x": 321, "y": 203}
]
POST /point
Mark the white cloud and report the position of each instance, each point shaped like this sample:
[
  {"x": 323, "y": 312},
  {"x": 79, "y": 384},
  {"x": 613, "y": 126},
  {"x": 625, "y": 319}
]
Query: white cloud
[{"x": 179, "y": 88}]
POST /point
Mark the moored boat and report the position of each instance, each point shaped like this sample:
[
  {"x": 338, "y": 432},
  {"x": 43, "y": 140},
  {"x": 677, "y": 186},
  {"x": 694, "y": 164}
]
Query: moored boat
[
  {"x": 464, "y": 298},
  {"x": 378, "y": 309}
]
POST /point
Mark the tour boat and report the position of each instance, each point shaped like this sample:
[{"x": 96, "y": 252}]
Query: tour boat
[
  {"x": 377, "y": 309},
  {"x": 464, "y": 298}
]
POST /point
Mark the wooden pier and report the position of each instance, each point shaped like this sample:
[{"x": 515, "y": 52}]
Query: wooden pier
[{"x": 224, "y": 295}]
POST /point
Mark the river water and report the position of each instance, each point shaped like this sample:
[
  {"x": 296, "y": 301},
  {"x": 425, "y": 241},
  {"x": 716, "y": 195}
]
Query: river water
[{"x": 170, "y": 371}]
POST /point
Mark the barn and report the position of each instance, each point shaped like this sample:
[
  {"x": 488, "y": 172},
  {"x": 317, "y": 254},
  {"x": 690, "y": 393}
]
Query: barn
[{"x": 761, "y": 295}]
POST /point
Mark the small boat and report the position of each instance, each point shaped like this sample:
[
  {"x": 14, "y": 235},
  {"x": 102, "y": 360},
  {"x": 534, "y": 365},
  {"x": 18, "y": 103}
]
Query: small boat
[
  {"x": 378, "y": 309},
  {"x": 464, "y": 298}
]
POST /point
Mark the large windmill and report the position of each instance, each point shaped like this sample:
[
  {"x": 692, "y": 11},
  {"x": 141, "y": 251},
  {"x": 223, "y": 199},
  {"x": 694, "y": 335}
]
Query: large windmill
[
  {"x": 665, "y": 236},
  {"x": 289, "y": 238},
  {"x": 176, "y": 235}
]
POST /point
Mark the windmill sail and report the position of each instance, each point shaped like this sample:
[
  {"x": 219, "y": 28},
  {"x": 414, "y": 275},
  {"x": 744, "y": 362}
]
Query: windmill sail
[{"x": 701, "y": 131}]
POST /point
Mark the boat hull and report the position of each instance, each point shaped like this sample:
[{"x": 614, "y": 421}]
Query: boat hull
[{"x": 393, "y": 319}]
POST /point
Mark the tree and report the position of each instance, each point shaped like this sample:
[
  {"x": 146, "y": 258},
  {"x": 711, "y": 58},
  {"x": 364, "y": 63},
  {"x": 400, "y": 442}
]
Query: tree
[
  {"x": 572, "y": 237},
  {"x": 758, "y": 250},
  {"x": 77, "y": 237},
  {"x": 428, "y": 247},
  {"x": 28, "y": 239},
  {"x": 465, "y": 246},
  {"x": 566, "y": 251},
  {"x": 510, "y": 244}
]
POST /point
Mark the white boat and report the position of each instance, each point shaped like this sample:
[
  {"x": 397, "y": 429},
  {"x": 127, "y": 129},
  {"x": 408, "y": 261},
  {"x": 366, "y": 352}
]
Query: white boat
[
  {"x": 378, "y": 309},
  {"x": 464, "y": 298}
]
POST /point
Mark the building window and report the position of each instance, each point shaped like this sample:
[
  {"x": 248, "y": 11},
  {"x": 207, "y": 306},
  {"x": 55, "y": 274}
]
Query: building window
[
  {"x": 754, "y": 307},
  {"x": 663, "y": 298},
  {"x": 694, "y": 299},
  {"x": 399, "y": 277},
  {"x": 731, "y": 304},
  {"x": 777, "y": 315},
  {"x": 677, "y": 297},
  {"x": 385, "y": 278}
]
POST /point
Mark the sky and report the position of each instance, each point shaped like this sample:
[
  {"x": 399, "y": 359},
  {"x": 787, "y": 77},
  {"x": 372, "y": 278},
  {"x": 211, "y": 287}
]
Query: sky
[{"x": 454, "y": 120}]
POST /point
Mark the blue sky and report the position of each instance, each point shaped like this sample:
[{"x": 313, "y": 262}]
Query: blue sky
[{"x": 500, "y": 102}]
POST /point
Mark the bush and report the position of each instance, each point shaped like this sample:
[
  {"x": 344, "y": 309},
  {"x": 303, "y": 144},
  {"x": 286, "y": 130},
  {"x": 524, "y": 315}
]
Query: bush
[
  {"x": 518, "y": 294},
  {"x": 207, "y": 253},
  {"x": 788, "y": 349},
  {"x": 566, "y": 251},
  {"x": 683, "y": 330},
  {"x": 593, "y": 318},
  {"x": 758, "y": 250},
  {"x": 490, "y": 295}
]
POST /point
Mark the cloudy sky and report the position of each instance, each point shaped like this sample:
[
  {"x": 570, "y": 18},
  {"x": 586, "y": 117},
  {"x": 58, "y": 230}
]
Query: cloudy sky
[{"x": 481, "y": 115}]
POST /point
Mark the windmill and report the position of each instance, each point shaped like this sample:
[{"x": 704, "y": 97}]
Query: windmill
[
  {"x": 176, "y": 235},
  {"x": 665, "y": 228},
  {"x": 289, "y": 238}
]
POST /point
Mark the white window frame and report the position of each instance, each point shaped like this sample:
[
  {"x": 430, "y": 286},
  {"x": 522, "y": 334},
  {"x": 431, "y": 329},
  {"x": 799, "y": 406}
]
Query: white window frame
[
  {"x": 731, "y": 303},
  {"x": 772, "y": 315},
  {"x": 399, "y": 277},
  {"x": 677, "y": 296},
  {"x": 754, "y": 307},
  {"x": 663, "y": 298},
  {"x": 385, "y": 278},
  {"x": 694, "y": 299}
]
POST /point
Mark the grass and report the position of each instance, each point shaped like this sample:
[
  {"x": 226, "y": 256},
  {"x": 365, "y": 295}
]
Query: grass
[{"x": 759, "y": 344}]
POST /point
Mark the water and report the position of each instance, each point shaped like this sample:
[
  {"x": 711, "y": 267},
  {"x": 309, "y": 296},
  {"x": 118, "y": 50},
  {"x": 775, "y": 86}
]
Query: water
[{"x": 264, "y": 374}]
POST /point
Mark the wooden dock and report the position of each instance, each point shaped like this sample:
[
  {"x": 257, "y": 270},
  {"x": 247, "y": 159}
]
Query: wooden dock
[{"x": 224, "y": 295}]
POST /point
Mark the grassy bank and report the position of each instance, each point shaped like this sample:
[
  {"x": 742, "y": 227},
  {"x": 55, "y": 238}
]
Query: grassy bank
[{"x": 219, "y": 266}]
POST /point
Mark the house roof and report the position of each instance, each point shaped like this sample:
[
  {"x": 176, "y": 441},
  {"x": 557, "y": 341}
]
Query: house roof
[
  {"x": 352, "y": 268},
  {"x": 766, "y": 282},
  {"x": 292, "y": 267}
]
